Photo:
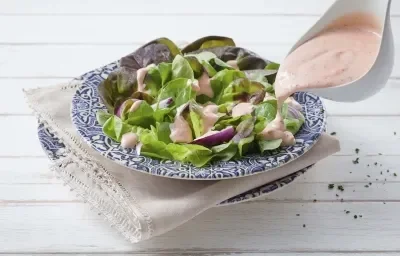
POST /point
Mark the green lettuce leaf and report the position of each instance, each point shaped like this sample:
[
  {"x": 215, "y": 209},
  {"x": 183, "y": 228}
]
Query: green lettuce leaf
[
  {"x": 262, "y": 76},
  {"x": 272, "y": 66},
  {"x": 209, "y": 68},
  {"x": 203, "y": 56},
  {"x": 181, "y": 68},
  {"x": 163, "y": 131},
  {"x": 244, "y": 129},
  {"x": 261, "y": 123},
  {"x": 245, "y": 144},
  {"x": 153, "y": 147},
  {"x": 196, "y": 123},
  {"x": 265, "y": 145},
  {"x": 241, "y": 89},
  {"x": 221, "y": 80},
  {"x": 115, "y": 128},
  {"x": 153, "y": 81},
  {"x": 226, "y": 53},
  {"x": 204, "y": 59},
  {"x": 163, "y": 114},
  {"x": 165, "y": 70},
  {"x": 195, "y": 154},
  {"x": 225, "y": 122},
  {"x": 117, "y": 87},
  {"x": 251, "y": 62},
  {"x": 195, "y": 65},
  {"x": 143, "y": 116},
  {"x": 102, "y": 117},
  {"x": 180, "y": 90},
  {"x": 293, "y": 125},
  {"x": 224, "y": 152},
  {"x": 143, "y": 96},
  {"x": 266, "y": 109},
  {"x": 219, "y": 65}
]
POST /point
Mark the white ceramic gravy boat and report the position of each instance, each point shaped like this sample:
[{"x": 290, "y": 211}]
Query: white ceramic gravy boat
[{"x": 376, "y": 78}]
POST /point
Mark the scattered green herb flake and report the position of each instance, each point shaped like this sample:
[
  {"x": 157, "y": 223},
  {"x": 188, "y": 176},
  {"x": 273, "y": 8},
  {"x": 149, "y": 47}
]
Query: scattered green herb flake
[
  {"x": 368, "y": 165},
  {"x": 387, "y": 171},
  {"x": 337, "y": 195},
  {"x": 384, "y": 202},
  {"x": 394, "y": 133},
  {"x": 360, "y": 216},
  {"x": 375, "y": 163},
  {"x": 357, "y": 150},
  {"x": 340, "y": 187},
  {"x": 366, "y": 186},
  {"x": 315, "y": 200},
  {"x": 298, "y": 214},
  {"x": 370, "y": 183},
  {"x": 380, "y": 154},
  {"x": 347, "y": 212},
  {"x": 331, "y": 186},
  {"x": 381, "y": 173},
  {"x": 356, "y": 161},
  {"x": 368, "y": 176},
  {"x": 341, "y": 200},
  {"x": 304, "y": 225},
  {"x": 333, "y": 133},
  {"x": 355, "y": 216},
  {"x": 395, "y": 174}
]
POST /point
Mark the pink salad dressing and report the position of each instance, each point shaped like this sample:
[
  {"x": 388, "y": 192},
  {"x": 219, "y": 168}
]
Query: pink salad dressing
[
  {"x": 340, "y": 54},
  {"x": 210, "y": 117},
  {"x": 135, "y": 105},
  {"x": 129, "y": 140},
  {"x": 141, "y": 75},
  {"x": 180, "y": 131},
  {"x": 241, "y": 109},
  {"x": 205, "y": 85}
]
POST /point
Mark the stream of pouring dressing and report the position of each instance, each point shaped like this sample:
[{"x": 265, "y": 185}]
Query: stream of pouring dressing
[{"x": 341, "y": 53}]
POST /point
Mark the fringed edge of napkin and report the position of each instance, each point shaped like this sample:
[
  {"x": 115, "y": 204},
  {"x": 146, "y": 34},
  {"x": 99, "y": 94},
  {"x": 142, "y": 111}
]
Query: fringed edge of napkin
[{"x": 132, "y": 229}]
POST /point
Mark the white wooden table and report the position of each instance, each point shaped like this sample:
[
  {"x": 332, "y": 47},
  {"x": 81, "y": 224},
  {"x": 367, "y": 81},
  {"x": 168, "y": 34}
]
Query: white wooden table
[{"x": 44, "y": 42}]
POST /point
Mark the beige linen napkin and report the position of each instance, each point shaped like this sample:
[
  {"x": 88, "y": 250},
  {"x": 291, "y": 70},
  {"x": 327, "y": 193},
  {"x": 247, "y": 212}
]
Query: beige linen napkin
[{"x": 140, "y": 205}]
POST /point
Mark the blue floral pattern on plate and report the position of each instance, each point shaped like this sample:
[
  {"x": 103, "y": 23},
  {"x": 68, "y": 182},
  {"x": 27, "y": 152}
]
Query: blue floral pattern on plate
[
  {"x": 86, "y": 102},
  {"x": 56, "y": 150}
]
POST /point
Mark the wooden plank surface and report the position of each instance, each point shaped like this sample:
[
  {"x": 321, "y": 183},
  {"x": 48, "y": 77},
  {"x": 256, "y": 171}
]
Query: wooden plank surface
[
  {"x": 46, "y": 42},
  {"x": 266, "y": 227},
  {"x": 97, "y": 29}
]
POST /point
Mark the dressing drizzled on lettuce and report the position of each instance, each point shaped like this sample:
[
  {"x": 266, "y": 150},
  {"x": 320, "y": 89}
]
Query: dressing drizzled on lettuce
[{"x": 208, "y": 101}]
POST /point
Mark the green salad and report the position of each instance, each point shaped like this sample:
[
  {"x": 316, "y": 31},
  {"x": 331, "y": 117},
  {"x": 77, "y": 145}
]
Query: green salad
[{"x": 210, "y": 100}]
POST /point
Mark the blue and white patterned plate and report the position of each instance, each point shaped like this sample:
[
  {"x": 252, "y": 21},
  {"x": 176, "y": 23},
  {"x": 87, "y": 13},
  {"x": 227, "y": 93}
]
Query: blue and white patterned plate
[
  {"x": 86, "y": 102},
  {"x": 55, "y": 150}
]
